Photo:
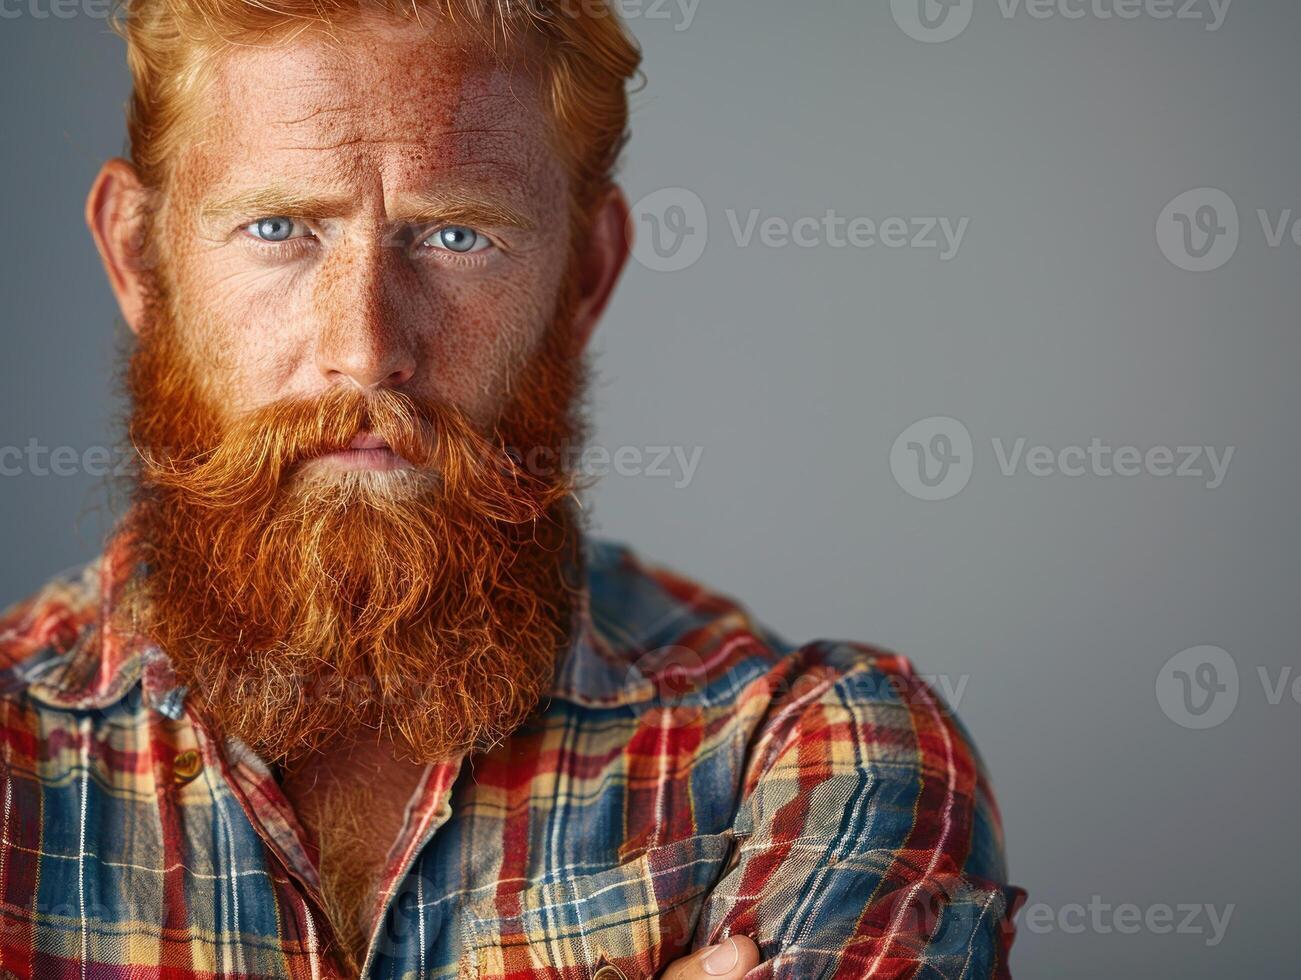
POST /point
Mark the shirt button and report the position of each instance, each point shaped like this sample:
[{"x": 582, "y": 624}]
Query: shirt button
[
  {"x": 187, "y": 765},
  {"x": 608, "y": 972}
]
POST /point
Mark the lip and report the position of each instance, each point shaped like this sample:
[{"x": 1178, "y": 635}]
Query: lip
[
  {"x": 366, "y": 452},
  {"x": 367, "y": 440}
]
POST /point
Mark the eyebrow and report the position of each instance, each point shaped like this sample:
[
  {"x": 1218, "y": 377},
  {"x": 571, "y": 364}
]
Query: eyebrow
[
  {"x": 458, "y": 207},
  {"x": 426, "y": 207}
]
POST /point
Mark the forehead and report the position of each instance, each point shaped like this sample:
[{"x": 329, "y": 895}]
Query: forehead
[{"x": 379, "y": 99}]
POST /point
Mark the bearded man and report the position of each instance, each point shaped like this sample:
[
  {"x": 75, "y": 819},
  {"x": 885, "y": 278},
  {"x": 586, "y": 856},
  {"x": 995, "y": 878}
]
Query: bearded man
[{"x": 351, "y": 691}]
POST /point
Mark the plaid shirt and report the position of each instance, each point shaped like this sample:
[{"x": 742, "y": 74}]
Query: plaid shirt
[{"x": 691, "y": 776}]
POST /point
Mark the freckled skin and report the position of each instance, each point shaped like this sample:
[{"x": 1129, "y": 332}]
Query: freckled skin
[{"x": 398, "y": 109}]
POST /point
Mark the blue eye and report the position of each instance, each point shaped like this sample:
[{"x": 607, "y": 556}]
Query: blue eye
[
  {"x": 457, "y": 238},
  {"x": 274, "y": 229}
]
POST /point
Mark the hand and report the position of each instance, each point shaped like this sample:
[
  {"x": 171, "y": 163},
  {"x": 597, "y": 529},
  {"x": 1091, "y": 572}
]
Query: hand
[{"x": 729, "y": 960}]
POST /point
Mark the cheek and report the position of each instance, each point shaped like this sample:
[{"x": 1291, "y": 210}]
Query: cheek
[
  {"x": 226, "y": 317},
  {"x": 255, "y": 333},
  {"x": 244, "y": 333},
  {"x": 477, "y": 339},
  {"x": 256, "y": 346}
]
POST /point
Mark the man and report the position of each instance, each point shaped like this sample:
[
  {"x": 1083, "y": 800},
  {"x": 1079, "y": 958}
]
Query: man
[{"x": 351, "y": 692}]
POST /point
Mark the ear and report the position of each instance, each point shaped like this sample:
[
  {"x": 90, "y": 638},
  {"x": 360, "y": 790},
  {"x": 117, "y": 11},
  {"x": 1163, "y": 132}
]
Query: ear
[
  {"x": 115, "y": 213},
  {"x": 608, "y": 245}
]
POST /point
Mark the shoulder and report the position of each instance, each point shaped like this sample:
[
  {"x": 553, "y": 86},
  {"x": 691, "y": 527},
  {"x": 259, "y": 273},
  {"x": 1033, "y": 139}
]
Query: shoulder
[
  {"x": 839, "y": 714},
  {"x": 831, "y": 710},
  {"x": 47, "y": 625},
  {"x": 666, "y": 623},
  {"x": 691, "y": 645}
]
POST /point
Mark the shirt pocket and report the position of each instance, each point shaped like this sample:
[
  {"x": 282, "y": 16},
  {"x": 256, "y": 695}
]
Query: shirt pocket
[{"x": 638, "y": 917}]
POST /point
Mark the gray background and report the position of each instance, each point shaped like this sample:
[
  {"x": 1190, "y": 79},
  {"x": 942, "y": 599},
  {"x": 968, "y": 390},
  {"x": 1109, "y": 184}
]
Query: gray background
[{"x": 1056, "y": 600}]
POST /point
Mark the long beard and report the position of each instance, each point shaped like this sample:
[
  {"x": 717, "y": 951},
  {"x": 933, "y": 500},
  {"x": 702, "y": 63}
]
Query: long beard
[{"x": 423, "y": 606}]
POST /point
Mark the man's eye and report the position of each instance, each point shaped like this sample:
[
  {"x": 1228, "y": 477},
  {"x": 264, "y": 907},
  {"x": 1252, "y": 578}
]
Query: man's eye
[
  {"x": 276, "y": 229},
  {"x": 457, "y": 238}
]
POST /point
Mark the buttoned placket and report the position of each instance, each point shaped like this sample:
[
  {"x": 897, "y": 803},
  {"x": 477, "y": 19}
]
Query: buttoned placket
[
  {"x": 429, "y": 809},
  {"x": 272, "y": 818},
  {"x": 271, "y": 815}
]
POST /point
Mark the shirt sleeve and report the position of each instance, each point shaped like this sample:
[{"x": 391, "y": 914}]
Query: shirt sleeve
[{"x": 868, "y": 842}]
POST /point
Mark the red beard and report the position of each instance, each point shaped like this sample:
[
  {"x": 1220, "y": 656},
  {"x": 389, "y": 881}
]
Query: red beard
[{"x": 424, "y": 606}]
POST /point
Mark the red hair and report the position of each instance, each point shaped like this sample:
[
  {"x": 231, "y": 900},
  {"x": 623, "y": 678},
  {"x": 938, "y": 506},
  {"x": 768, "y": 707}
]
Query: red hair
[{"x": 581, "y": 49}]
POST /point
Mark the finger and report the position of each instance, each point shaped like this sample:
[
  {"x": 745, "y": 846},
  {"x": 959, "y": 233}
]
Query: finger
[{"x": 728, "y": 960}]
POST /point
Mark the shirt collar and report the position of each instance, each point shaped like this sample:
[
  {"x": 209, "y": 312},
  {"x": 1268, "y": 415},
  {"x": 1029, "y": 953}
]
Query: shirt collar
[
  {"x": 598, "y": 670},
  {"x": 82, "y": 651}
]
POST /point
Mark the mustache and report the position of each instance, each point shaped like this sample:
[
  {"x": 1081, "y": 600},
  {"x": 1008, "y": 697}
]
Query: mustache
[{"x": 249, "y": 462}]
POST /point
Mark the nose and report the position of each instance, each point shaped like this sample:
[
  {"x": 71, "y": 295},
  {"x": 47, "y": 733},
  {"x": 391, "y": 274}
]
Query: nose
[
  {"x": 365, "y": 359},
  {"x": 362, "y": 340}
]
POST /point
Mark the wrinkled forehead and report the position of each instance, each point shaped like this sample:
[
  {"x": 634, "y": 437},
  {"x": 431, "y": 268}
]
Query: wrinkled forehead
[{"x": 395, "y": 100}]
